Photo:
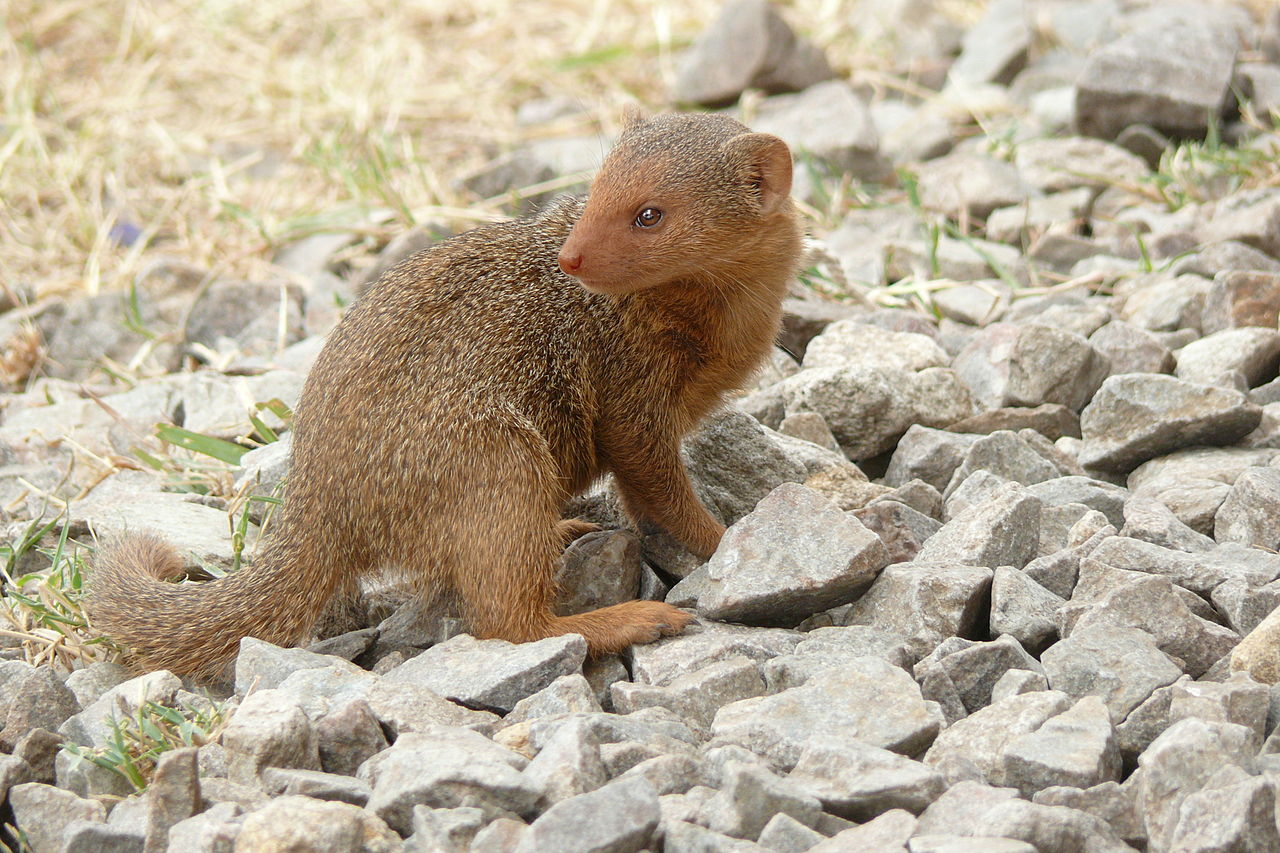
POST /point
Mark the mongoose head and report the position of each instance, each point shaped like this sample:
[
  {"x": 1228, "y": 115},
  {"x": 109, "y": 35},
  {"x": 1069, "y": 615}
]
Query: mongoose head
[{"x": 680, "y": 198}]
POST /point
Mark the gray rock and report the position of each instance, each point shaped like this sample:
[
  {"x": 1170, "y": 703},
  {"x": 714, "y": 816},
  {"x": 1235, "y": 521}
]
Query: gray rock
[
  {"x": 598, "y": 570},
  {"x": 923, "y": 603},
  {"x": 1244, "y": 606},
  {"x": 995, "y": 48},
  {"x": 683, "y": 835},
  {"x": 961, "y": 807},
  {"x": 668, "y": 774},
  {"x": 246, "y": 315},
  {"x": 1065, "y": 163},
  {"x": 1150, "y": 603},
  {"x": 621, "y": 817},
  {"x": 974, "y": 748},
  {"x": 961, "y": 673},
  {"x": 829, "y": 121},
  {"x": 748, "y": 46},
  {"x": 347, "y": 736},
  {"x": 1243, "y": 294},
  {"x": 869, "y": 701},
  {"x": 851, "y": 342},
  {"x": 92, "y": 837},
  {"x": 1016, "y": 682},
  {"x": 568, "y": 694},
  {"x": 902, "y": 529},
  {"x": 982, "y": 302},
  {"x": 811, "y": 427},
  {"x": 1162, "y": 303},
  {"x": 794, "y": 555},
  {"x": 1200, "y": 572},
  {"x": 1006, "y": 455},
  {"x": 44, "y": 813},
  {"x": 1138, "y": 416},
  {"x": 35, "y": 698},
  {"x": 1232, "y": 811},
  {"x": 1050, "y": 420},
  {"x": 1052, "y": 829},
  {"x": 703, "y": 643},
  {"x": 262, "y": 666},
  {"x": 1027, "y": 365},
  {"x": 568, "y": 764},
  {"x": 1001, "y": 531},
  {"x": 1114, "y": 803},
  {"x": 974, "y": 491},
  {"x": 446, "y": 768},
  {"x": 970, "y": 184},
  {"x": 1131, "y": 349},
  {"x": 492, "y": 674},
  {"x": 1180, "y": 762},
  {"x": 1121, "y": 665},
  {"x": 1239, "y": 700},
  {"x": 918, "y": 495},
  {"x": 1216, "y": 359},
  {"x": 858, "y": 781},
  {"x": 785, "y": 834},
  {"x": 173, "y": 796},
  {"x": 832, "y": 648},
  {"x": 443, "y": 829},
  {"x": 269, "y": 729},
  {"x": 928, "y": 455},
  {"x": 302, "y": 823},
  {"x": 887, "y": 833},
  {"x": 1037, "y": 216},
  {"x": 961, "y": 844},
  {"x": 1250, "y": 514},
  {"x": 749, "y": 796},
  {"x": 1151, "y": 521},
  {"x": 1251, "y": 217},
  {"x": 1172, "y": 77},
  {"x": 1076, "y": 748},
  {"x": 868, "y": 409},
  {"x": 695, "y": 696}
]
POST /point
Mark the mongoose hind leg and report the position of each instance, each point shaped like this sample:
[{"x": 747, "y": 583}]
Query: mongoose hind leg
[{"x": 506, "y": 577}]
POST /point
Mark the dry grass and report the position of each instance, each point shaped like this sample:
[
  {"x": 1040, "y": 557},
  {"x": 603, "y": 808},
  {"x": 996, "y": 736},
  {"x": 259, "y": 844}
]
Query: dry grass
[{"x": 215, "y": 130}]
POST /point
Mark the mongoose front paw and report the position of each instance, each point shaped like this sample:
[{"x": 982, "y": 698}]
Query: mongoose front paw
[{"x": 649, "y": 620}]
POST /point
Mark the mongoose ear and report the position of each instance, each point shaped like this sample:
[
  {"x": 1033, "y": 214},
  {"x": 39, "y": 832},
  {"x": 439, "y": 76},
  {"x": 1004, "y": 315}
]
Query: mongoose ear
[
  {"x": 633, "y": 115},
  {"x": 766, "y": 161}
]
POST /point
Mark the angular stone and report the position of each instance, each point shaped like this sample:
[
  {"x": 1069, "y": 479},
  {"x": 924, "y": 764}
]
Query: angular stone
[
  {"x": 44, "y": 813},
  {"x": 568, "y": 694},
  {"x": 970, "y": 184},
  {"x": 1259, "y": 653},
  {"x": 1251, "y": 216},
  {"x": 348, "y": 736},
  {"x": 795, "y": 555},
  {"x": 446, "y": 768},
  {"x": 269, "y": 729},
  {"x": 1136, "y": 417},
  {"x": 961, "y": 673},
  {"x": 598, "y": 570},
  {"x": 263, "y": 666},
  {"x": 1151, "y": 521},
  {"x": 929, "y": 455},
  {"x": 568, "y": 764},
  {"x": 1242, "y": 297},
  {"x": 1239, "y": 700},
  {"x": 972, "y": 844},
  {"x": 851, "y": 342},
  {"x": 703, "y": 643},
  {"x": 785, "y": 834},
  {"x": 749, "y": 796},
  {"x": 1131, "y": 349},
  {"x": 1249, "y": 353},
  {"x": 748, "y": 46},
  {"x": 1110, "y": 801},
  {"x": 1006, "y": 455},
  {"x": 995, "y": 48},
  {"x": 923, "y": 603},
  {"x": 1060, "y": 164},
  {"x": 1076, "y": 748},
  {"x": 1001, "y": 531},
  {"x": 902, "y": 530},
  {"x": 858, "y": 781},
  {"x": 868, "y": 409},
  {"x": 1244, "y": 606},
  {"x": 695, "y": 696},
  {"x": 830, "y": 122},
  {"x": 887, "y": 833},
  {"x": 1162, "y": 303},
  {"x": 832, "y": 648},
  {"x": 1027, "y": 365},
  {"x": 1173, "y": 77},
  {"x": 963, "y": 806},
  {"x": 1229, "y": 816},
  {"x": 1051, "y": 420},
  {"x": 1250, "y": 514},
  {"x": 1106, "y": 498},
  {"x": 492, "y": 674},
  {"x": 1052, "y": 829},
  {"x": 1121, "y": 665},
  {"x": 621, "y": 817},
  {"x": 1016, "y": 682},
  {"x": 869, "y": 701},
  {"x": 37, "y": 699},
  {"x": 1179, "y": 763},
  {"x": 1200, "y": 572},
  {"x": 973, "y": 748},
  {"x": 173, "y": 796},
  {"x": 302, "y": 823}
]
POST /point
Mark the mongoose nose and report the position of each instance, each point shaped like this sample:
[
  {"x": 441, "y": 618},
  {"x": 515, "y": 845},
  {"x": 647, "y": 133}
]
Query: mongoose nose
[{"x": 570, "y": 263}]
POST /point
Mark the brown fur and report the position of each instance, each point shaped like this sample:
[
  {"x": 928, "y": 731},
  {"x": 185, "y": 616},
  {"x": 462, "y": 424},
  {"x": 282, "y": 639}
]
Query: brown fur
[{"x": 477, "y": 387}]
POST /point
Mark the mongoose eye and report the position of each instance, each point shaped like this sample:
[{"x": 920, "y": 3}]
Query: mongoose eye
[{"x": 648, "y": 217}]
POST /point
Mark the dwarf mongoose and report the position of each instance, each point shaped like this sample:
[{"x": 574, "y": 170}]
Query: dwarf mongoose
[{"x": 483, "y": 382}]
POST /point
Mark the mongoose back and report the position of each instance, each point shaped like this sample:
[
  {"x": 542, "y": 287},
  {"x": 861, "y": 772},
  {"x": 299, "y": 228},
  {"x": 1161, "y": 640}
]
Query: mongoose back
[{"x": 481, "y": 383}]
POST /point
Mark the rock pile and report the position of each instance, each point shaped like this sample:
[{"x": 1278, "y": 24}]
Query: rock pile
[{"x": 1000, "y": 577}]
